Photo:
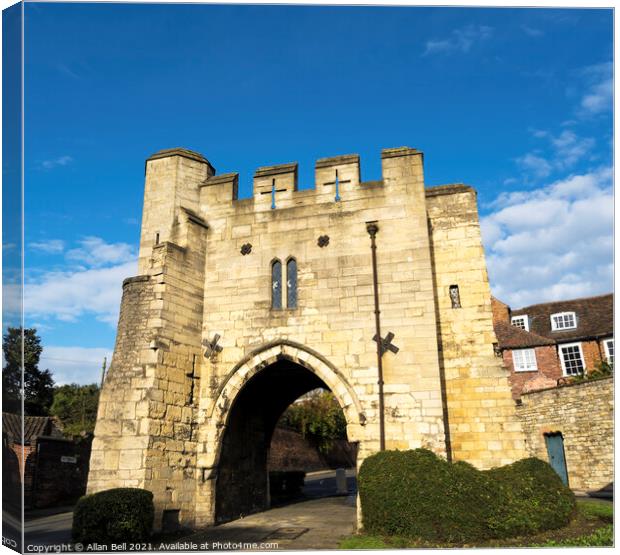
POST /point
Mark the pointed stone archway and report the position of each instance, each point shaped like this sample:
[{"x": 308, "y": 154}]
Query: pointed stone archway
[{"x": 237, "y": 425}]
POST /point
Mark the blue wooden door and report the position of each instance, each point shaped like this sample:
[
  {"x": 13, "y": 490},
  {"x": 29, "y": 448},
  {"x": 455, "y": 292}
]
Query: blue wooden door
[{"x": 555, "y": 450}]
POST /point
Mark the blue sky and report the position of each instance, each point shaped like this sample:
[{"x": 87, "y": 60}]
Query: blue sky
[{"x": 516, "y": 102}]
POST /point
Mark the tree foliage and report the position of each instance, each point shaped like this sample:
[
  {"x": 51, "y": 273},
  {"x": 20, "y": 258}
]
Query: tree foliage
[
  {"x": 76, "y": 407},
  {"x": 38, "y": 384},
  {"x": 318, "y": 417}
]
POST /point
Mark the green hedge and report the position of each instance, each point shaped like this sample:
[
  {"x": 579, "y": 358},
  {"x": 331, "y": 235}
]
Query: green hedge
[
  {"x": 532, "y": 497},
  {"x": 113, "y": 516},
  {"x": 417, "y": 494}
]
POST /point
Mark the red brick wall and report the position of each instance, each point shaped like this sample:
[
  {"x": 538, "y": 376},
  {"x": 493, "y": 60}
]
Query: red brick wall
[
  {"x": 22, "y": 452},
  {"x": 549, "y": 370},
  {"x": 591, "y": 353},
  {"x": 500, "y": 311}
]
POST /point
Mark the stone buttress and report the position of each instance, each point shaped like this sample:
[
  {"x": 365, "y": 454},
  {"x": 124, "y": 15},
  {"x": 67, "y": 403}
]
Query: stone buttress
[{"x": 145, "y": 434}]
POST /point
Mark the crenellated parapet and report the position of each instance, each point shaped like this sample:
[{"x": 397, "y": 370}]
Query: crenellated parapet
[{"x": 337, "y": 178}]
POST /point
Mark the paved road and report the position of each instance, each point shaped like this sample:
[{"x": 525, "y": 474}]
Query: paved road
[
  {"x": 53, "y": 526},
  {"x": 314, "y": 524},
  {"x": 12, "y": 528},
  {"x": 323, "y": 483}
]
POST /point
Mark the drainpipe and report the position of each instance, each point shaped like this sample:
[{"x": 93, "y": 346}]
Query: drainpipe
[{"x": 372, "y": 229}]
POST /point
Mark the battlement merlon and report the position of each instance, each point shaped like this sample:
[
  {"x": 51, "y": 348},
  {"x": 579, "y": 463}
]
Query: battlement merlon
[
  {"x": 180, "y": 177},
  {"x": 274, "y": 181},
  {"x": 335, "y": 177}
]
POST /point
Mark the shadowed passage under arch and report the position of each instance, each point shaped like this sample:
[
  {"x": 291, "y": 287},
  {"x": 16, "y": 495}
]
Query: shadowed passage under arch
[{"x": 242, "y": 480}]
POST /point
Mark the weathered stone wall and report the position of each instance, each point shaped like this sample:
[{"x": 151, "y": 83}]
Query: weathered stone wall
[
  {"x": 120, "y": 438},
  {"x": 583, "y": 414},
  {"x": 170, "y": 183},
  {"x": 205, "y": 264},
  {"x": 335, "y": 295},
  {"x": 483, "y": 428},
  {"x": 144, "y": 435}
]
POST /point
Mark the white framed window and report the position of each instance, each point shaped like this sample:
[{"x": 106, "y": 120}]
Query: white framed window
[
  {"x": 609, "y": 350},
  {"x": 524, "y": 360},
  {"x": 563, "y": 321},
  {"x": 571, "y": 357},
  {"x": 521, "y": 321}
]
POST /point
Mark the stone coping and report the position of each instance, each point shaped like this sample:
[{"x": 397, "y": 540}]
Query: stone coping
[
  {"x": 375, "y": 183},
  {"x": 135, "y": 279},
  {"x": 265, "y": 171},
  {"x": 562, "y": 386},
  {"x": 221, "y": 179},
  {"x": 451, "y": 189},
  {"x": 399, "y": 151},
  {"x": 179, "y": 151},
  {"x": 337, "y": 160}
]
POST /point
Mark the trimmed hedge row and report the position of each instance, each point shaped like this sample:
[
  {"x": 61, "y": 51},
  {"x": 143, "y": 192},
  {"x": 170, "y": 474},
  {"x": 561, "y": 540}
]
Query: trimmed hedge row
[
  {"x": 114, "y": 516},
  {"x": 417, "y": 494}
]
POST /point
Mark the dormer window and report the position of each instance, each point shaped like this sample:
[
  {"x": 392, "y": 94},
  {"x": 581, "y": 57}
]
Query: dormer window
[
  {"x": 563, "y": 321},
  {"x": 521, "y": 321}
]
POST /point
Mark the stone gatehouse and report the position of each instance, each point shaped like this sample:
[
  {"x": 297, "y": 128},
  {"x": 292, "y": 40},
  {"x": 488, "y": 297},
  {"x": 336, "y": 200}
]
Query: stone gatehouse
[{"x": 243, "y": 305}]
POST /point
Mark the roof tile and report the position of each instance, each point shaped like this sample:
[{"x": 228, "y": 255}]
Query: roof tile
[{"x": 595, "y": 318}]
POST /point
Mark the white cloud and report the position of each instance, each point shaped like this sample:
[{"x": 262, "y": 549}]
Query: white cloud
[
  {"x": 55, "y": 162},
  {"x": 569, "y": 148},
  {"x": 534, "y": 164},
  {"x": 564, "y": 152},
  {"x": 532, "y": 31},
  {"x": 598, "y": 97},
  {"x": 68, "y": 295},
  {"x": 460, "y": 40},
  {"x": 80, "y": 365},
  {"x": 90, "y": 288},
  {"x": 94, "y": 251},
  {"x": 51, "y": 246},
  {"x": 552, "y": 243}
]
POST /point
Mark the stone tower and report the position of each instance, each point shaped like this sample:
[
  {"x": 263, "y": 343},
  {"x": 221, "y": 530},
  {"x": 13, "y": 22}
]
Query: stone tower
[{"x": 243, "y": 305}]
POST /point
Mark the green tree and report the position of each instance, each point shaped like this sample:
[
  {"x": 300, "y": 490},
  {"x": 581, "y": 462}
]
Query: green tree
[
  {"x": 76, "y": 407},
  {"x": 318, "y": 417},
  {"x": 38, "y": 384}
]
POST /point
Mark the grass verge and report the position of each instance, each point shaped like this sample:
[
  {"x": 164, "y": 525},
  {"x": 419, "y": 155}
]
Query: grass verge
[{"x": 592, "y": 526}]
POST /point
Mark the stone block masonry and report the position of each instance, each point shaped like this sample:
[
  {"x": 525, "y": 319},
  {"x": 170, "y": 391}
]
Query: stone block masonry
[
  {"x": 583, "y": 414},
  {"x": 206, "y": 360}
]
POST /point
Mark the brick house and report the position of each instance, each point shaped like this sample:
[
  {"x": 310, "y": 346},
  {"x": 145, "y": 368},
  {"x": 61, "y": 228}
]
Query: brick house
[
  {"x": 34, "y": 427},
  {"x": 53, "y": 468},
  {"x": 544, "y": 343}
]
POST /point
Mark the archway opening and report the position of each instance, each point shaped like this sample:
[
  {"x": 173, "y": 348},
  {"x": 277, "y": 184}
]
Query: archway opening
[
  {"x": 310, "y": 439},
  {"x": 242, "y": 485}
]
